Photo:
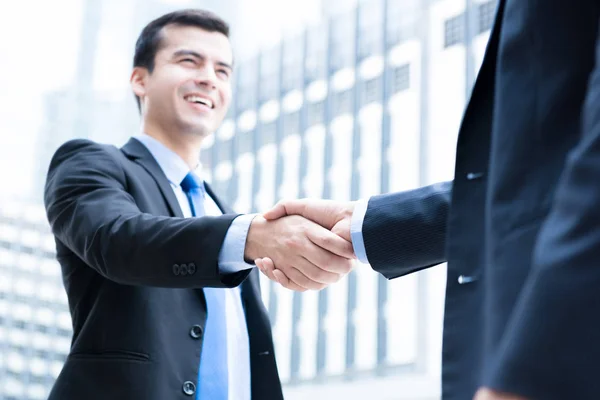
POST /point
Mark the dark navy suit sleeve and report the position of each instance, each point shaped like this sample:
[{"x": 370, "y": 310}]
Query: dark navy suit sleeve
[
  {"x": 406, "y": 231},
  {"x": 92, "y": 214},
  {"x": 551, "y": 347}
]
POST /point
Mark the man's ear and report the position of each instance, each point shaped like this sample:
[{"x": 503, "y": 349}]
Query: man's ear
[{"x": 138, "y": 80}]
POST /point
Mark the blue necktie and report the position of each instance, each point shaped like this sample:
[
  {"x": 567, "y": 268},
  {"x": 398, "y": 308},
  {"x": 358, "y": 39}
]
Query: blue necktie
[{"x": 213, "y": 373}]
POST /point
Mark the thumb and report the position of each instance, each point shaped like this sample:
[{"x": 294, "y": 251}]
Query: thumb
[
  {"x": 283, "y": 208},
  {"x": 342, "y": 229}
]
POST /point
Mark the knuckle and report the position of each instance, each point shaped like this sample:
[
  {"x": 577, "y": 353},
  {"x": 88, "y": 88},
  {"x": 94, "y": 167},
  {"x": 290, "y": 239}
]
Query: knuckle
[
  {"x": 291, "y": 243},
  {"x": 317, "y": 285},
  {"x": 321, "y": 276},
  {"x": 347, "y": 266},
  {"x": 333, "y": 260},
  {"x": 326, "y": 241}
]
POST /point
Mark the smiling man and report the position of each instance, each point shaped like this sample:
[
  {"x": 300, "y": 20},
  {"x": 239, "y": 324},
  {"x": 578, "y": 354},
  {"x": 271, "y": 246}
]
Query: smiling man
[{"x": 163, "y": 301}]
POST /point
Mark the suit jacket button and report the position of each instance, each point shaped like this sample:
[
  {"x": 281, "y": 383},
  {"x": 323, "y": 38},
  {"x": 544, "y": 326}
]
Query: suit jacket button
[
  {"x": 189, "y": 388},
  {"x": 176, "y": 269},
  {"x": 474, "y": 175},
  {"x": 191, "y": 268},
  {"x": 464, "y": 279},
  {"x": 183, "y": 270},
  {"x": 196, "y": 332}
]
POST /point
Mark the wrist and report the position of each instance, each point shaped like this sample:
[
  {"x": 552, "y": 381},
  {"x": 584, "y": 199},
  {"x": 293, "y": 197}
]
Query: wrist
[{"x": 253, "y": 248}]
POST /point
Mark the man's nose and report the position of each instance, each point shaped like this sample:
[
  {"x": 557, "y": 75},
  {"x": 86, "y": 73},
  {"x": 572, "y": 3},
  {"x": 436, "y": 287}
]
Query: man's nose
[{"x": 206, "y": 78}]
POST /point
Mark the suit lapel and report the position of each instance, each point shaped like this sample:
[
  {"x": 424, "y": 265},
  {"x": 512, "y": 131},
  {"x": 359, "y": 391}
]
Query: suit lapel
[
  {"x": 225, "y": 209},
  {"x": 135, "y": 150}
]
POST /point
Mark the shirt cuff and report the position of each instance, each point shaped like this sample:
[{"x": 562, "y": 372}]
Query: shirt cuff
[
  {"x": 358, "y": 217},
  {"x": 231, "y": 257}
]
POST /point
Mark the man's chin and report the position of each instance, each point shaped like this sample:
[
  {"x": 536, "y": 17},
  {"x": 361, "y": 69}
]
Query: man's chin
[{"x": 199, "y": 131}]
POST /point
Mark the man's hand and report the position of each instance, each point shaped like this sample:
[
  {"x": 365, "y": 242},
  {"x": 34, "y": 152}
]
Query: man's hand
[
  {"x": 310, "y": 255},
  {"x": 331, "y": 215},
  {"x": 488, "y": 394}
]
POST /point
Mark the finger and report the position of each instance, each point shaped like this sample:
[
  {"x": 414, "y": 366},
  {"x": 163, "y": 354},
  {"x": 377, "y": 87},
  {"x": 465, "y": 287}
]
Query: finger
[
  {"x": 326, "y": 264},
  {"x": 286, "y": 282},
  {"x": 276, "y": 212},
  {"x": 315, "y": 272},
  {"x": 296, "y": 275},
  {"x": 264, "y": 267},
  {"x": 260, "y": 264},
  {"x": 303, "y": 261},
  {"x": 283, "y": 208},
  {"x": 268, "y": 268},
  {"x": 342, "y": 229},
  {"x": 331, "y": 242}
]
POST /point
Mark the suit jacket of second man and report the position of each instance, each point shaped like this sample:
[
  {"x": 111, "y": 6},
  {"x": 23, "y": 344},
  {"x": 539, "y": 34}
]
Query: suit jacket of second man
[{"x": 520, "y": 223}]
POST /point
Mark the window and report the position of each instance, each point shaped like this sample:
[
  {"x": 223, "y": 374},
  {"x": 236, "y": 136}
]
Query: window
[
  {"x": 37, "y": 379},
  {"x": 291, "y": 123},
  {"x": 268, "y": 87},
  {"x": 292, "y": 64},
  {"x": 206, "y": 157},
  {"x": 269, "y": 75},
  {"x": 343, "y": 102},
  {"x": 246, "y": 87},
  {"x": 454, "y": 30},
  {"x": 224, "y": 150},
  {"x": 403, "y": 18},
  {"x": 487, "y": 12},
  {"x": 401, "y": 78},
  {"x": 342, "y": 41},
  {"x": 316, "y": 56},
  {"x": 292, "y": 77},
  {"x": 19, "y": 324},
  {"x": 370, "y": 32},
  {"x": 268, "y": 133},
  {"x": 371, "y": 91},
  {"x": 245, "y": 142},
  {"x": 316, "y": 113}
]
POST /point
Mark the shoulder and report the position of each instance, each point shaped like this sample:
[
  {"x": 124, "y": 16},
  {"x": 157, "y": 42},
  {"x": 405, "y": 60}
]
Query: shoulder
[{"x": 83, "y": 157}]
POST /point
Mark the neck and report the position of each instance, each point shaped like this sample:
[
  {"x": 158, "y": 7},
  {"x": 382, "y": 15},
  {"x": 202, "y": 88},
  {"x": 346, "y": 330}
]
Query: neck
[{"x": 185, "y": 145}]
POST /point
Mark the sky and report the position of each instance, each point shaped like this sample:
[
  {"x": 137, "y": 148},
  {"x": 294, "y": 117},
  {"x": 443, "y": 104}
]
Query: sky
[{"x": 36, "y": 55}]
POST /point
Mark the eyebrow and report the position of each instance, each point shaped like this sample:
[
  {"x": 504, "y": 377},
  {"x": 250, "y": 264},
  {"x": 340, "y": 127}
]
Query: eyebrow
[{"x": 199, "y": 56}]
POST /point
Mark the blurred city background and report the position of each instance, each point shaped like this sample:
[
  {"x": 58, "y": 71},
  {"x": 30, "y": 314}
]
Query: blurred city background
[{"x": 336, "y": 99}]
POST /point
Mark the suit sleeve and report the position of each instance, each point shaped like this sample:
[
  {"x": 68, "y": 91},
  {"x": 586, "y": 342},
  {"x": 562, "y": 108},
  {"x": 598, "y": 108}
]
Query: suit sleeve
[
  {"x": 405, "y": 232},
  {"x": 551, "y": 346},
  {"x": 93, "y": 215}
]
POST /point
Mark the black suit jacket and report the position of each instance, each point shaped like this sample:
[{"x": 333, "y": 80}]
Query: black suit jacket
[
  {"x": 132, "y": 268},
  {"x": 520, "y": 223}
]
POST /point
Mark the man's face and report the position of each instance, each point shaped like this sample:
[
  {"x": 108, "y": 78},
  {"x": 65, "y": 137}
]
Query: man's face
[{"x": 189, "y": 90}]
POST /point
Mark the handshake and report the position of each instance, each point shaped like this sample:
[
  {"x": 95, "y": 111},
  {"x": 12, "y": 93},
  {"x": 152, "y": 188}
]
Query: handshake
[{"x": 302, "y": 244}]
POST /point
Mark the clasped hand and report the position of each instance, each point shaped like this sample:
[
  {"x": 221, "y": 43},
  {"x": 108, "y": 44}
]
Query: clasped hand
[{"x": 303, "y": 244}]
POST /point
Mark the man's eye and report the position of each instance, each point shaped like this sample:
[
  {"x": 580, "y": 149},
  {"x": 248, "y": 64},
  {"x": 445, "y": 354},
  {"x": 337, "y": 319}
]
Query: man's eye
[
  {"x": 189, "y": 60},
  {"x": 223, "y": 72}
]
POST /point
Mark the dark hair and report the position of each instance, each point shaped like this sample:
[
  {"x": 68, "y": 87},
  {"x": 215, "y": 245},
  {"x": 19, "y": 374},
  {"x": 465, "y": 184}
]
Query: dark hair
[{"x": 150, "y": 40}]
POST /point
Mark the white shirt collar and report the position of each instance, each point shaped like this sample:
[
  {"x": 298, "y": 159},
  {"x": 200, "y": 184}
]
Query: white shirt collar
[{"x": 170, "y": 162}]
